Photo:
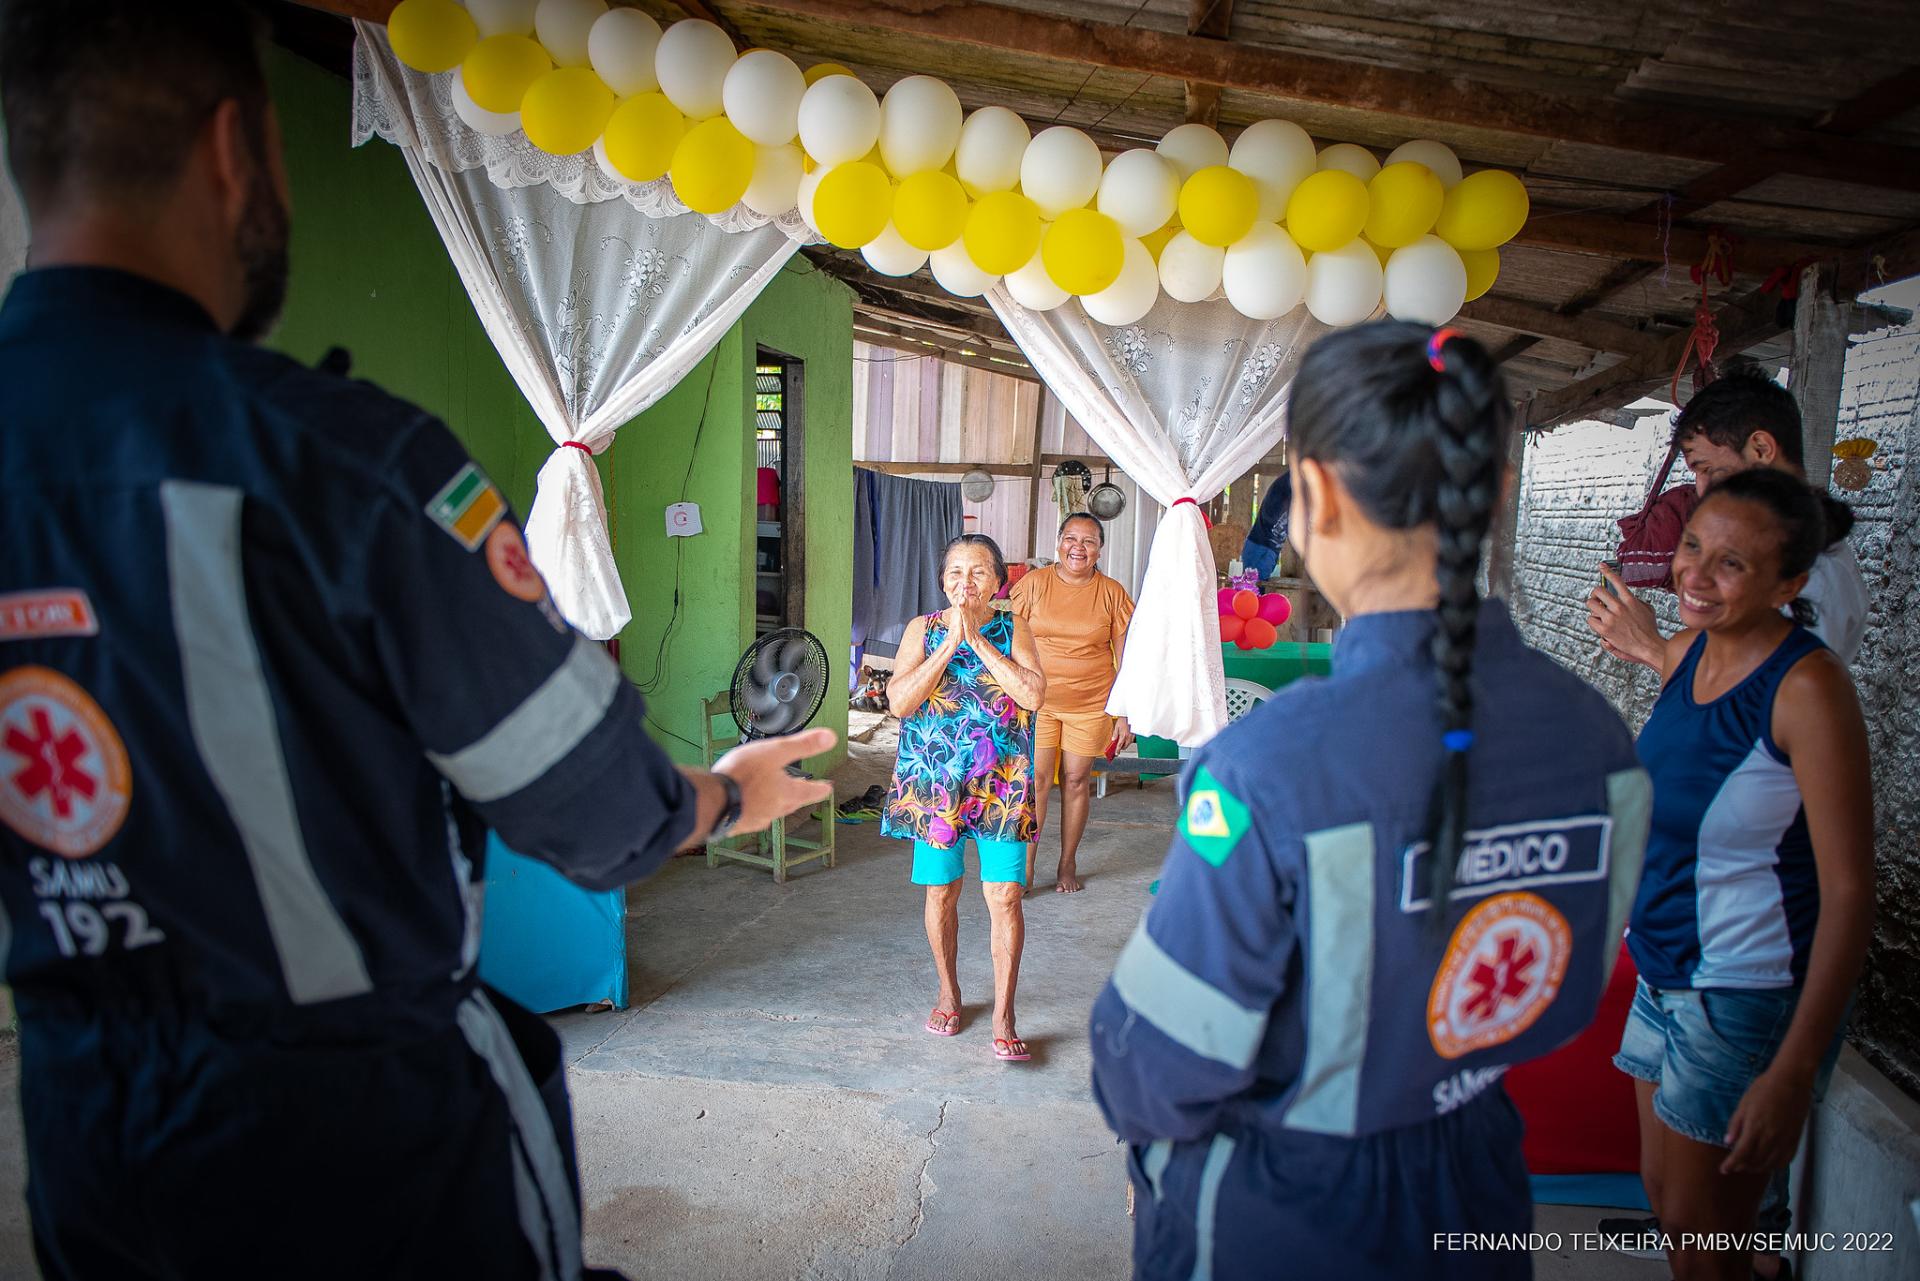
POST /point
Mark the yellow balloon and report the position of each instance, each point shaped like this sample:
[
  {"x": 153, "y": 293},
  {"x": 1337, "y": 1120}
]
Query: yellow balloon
[
  {"x": 852, "y": 203},
  {"x": 1404, "y": 201},
  {"x": 930, "y": 210},
  {"x": 1083, "y": 251},
  {"x": 1218, "y": 205},
  {"x": 501, "y": 69},
  {"x": 1003, "y": 232},
  {"x": 642, "y": 135},
  {"x": 1483, "y": 268},
  {"x": 566, "y": 110},
  {"x": 1155, "y": 241},
  {"x": 1483, "y": 211},
  {"x": 1327, "y": 210},
  {"x": 815, "y": 74},
  {"x": 431, "y": 35},
  {"x": 712, "y": 166}
]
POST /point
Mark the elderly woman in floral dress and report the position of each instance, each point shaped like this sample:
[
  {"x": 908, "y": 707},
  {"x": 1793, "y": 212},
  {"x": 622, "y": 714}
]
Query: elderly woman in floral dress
[{"x": 965, "y": 687}]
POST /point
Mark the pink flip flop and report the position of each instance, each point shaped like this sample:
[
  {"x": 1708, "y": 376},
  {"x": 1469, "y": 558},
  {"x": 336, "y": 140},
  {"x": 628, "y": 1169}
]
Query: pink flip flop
[
  {"x": 944, "y": 1016},
  {"x": 1009, "y": 1054}
]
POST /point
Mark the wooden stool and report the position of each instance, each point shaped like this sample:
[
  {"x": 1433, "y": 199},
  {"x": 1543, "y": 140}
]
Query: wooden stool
[{"x": 773, "y": 849}]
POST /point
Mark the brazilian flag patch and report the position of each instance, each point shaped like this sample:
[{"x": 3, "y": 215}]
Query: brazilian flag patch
[{"x": 1215, "y": 819}]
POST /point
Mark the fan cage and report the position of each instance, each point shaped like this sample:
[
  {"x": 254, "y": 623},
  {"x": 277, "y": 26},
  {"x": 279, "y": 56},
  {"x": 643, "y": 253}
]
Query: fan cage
[{"x": 811, "y": 670}]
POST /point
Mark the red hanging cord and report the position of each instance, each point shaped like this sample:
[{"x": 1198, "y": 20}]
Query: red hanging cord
[{"x": 1717, "y": 264}]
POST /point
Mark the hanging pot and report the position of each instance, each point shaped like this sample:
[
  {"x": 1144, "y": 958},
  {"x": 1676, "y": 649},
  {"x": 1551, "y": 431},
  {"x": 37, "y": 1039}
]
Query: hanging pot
[
  {"x": 1107, "y": 500},
  {"x": 977, "y": 486}
]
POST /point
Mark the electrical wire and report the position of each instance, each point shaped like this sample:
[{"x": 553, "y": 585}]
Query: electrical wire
[{"x": 652, "y": 683}]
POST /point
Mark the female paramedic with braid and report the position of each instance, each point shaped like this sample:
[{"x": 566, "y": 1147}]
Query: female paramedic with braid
[{"x": 1387, "y": 886}]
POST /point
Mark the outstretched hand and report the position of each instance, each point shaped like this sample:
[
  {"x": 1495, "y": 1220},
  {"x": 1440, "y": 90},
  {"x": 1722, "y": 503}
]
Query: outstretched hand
[
  {"x": 767, "y": 791},
  {"x": 1624, "y": 623}
]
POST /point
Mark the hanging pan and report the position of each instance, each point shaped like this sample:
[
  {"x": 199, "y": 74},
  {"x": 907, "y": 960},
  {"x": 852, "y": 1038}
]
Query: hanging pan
[{"x": 1107, "y": 500}]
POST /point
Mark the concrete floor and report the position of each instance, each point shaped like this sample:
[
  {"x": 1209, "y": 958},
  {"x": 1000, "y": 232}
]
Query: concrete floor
[{"x": 770, "y": 1107}]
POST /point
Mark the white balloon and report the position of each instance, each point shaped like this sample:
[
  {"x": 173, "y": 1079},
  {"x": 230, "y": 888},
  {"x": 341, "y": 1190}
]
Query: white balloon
[
  {"x": 803, "y": 196},
  {"x": 891, "y": 255},
  {"x": 1265, "y": 273},
  {"x": 762, "y": 96},
  {"x": 1033, "y": 288},
  {"x": 1060, "y": 171},
  {"x": 692, "y": 63},
  {"x": 992, "y": 142},
  {"x": 1139, "y": 191},
  {"x": 621, "y": 47},
  {"x": 503, "y": 17},
  {"x": 606, "y": 166},
  {"x": 919, "y": 125},
  {"x": 957, "y": 273},
  {"x": 1132, "y": 295},
  {"x": 1343, "y": 285},
  {"x": 839, "y": 120},
  {"x": 1189, "y": 270},
  {"x": 566, "y": 26},
  {"x": 1191, "y": 148},
  {"x": 1437, "y": 156},
  {"x": 1356, "y": 160},
  {"x": 495, "y": 124},
  {"x": 776, "y": 180},
  {"x": 1276, "y": 154},
  {"x": 1426, "y": 281}
]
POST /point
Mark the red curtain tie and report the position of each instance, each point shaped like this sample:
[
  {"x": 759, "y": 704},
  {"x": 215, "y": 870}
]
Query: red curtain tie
[
  {"x": 574, "y": 444},
  {"x": 1196, "y": 506}
]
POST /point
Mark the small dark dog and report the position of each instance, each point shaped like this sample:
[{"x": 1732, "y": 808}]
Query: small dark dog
[{"x": 871, "y": 695}]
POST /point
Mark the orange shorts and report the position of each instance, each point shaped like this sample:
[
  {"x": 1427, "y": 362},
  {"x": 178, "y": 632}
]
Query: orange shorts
[{"x": 1076, "y": 733}]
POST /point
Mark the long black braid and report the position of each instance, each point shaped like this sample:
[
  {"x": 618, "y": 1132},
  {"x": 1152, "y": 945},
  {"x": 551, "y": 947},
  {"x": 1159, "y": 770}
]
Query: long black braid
[{"x": 1415, "y": 422}]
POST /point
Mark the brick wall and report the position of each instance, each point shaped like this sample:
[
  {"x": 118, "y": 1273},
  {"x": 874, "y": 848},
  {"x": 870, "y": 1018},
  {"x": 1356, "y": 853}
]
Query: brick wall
[{"x": 1577, "y": 480}]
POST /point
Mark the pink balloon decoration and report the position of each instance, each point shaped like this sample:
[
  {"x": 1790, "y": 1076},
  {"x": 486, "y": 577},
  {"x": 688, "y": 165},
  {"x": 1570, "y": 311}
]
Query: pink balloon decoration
[
  {"x": 1225, "y": 599},
  {"x": 1275, "y": 608}
]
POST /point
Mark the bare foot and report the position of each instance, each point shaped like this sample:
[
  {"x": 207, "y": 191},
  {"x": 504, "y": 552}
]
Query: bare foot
[{"x": 1067, "y": 882}]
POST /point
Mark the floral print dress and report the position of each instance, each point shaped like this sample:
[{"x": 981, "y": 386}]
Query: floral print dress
[{"x": 965, "y": 766}]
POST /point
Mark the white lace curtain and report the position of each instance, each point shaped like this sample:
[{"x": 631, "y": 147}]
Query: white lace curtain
[
  {"x": 1184, "y": 402},
  {"x": 599, "y": 294}
]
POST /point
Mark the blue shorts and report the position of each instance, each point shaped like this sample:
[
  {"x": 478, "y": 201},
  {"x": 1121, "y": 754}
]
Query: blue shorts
[
  {"x": 1000, "y": 861},
  {"x": 1703, "y": 1047}
]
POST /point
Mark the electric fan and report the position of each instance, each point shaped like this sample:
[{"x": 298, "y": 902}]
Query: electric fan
[{"x": 780, "y": 683}]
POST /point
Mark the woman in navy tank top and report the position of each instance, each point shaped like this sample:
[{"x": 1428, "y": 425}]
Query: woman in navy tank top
[{"x": 1751, "y": 923}]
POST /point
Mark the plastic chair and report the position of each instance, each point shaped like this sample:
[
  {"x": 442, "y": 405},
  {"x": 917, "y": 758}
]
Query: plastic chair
[
  {"x": 772, "y": 849},
  {"x": 1242, "y": 697}
]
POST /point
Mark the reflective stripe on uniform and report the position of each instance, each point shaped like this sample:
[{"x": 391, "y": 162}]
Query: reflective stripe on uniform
[
  {"x": 538, "y": 734},
  {"x": 230, "y": 713},
  {"x": 543, "y": 1192},
  {"x": 1187, "y": 1008},
  {"x": 1630, "y": 802},
  {"x": 1339, "y": 979},
  {"x": 1154, "y": 1164},
  {"x": 1206, "y": 1209}
]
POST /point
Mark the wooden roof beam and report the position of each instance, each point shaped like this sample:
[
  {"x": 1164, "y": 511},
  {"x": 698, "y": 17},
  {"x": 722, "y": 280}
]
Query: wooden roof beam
[
  {"x": 1209, "y": 20},
  {"x": 1595, "y": 335},
  {"x": 1410, "y": 95},
  {"x": 1742, "y": 323}
]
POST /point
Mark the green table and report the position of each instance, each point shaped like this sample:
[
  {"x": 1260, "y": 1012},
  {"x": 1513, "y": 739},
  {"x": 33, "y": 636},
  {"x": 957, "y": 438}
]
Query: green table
[{"x": 1285, "y": 662}]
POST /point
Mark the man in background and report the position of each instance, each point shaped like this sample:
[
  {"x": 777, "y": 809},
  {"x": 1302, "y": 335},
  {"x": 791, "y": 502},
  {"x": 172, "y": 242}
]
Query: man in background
[
  {"x": 1743, "y": 420},
  {"x": 272, "y": 661}
]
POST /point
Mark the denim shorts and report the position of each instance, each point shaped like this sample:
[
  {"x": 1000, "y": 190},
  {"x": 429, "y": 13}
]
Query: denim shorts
[{"x": 1703, "y": 1047}]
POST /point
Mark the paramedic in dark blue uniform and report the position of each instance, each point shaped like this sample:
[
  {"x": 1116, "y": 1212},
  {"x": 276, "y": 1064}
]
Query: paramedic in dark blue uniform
[
  {"x": 272, "y": 660},
  {"x": 1388, "y": 886}
]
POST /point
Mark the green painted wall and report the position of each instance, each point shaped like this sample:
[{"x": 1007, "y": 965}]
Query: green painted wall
[{"x": 370, "y": 274}]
